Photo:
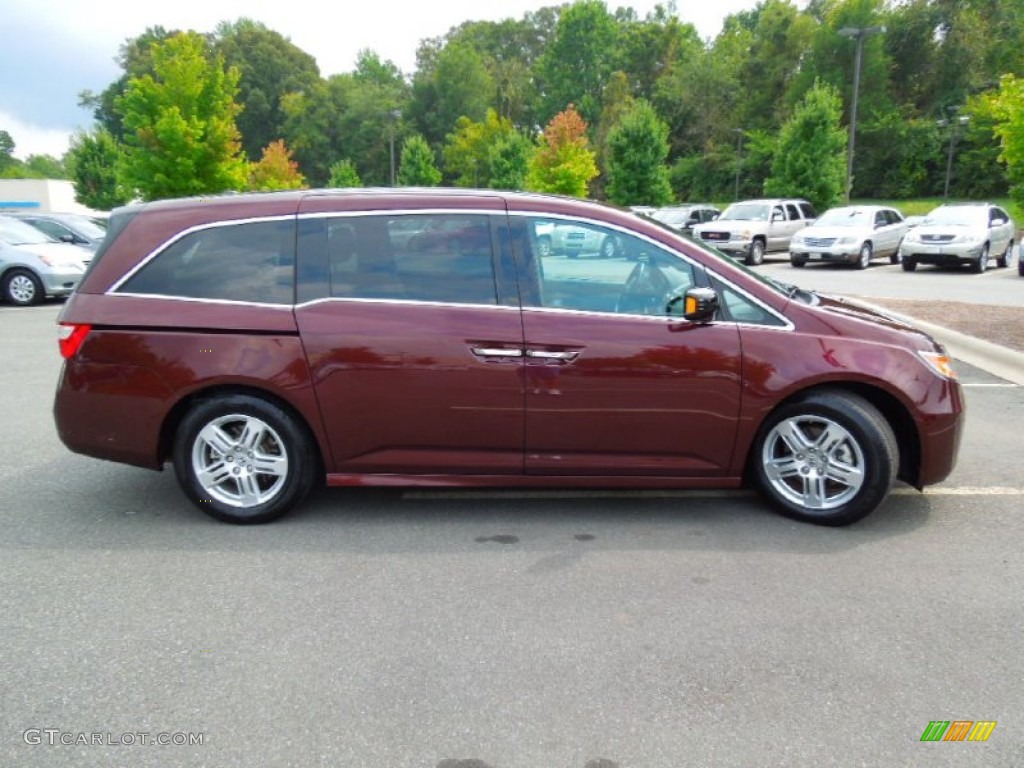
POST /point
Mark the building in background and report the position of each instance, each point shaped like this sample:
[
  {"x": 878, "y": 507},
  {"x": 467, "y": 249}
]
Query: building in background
[{"x": 40, "y": 196}]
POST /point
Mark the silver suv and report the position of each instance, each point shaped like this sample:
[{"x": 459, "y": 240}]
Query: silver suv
[
  {"x": 751, "y": 228},
  {"x": 961, "y": 233}
]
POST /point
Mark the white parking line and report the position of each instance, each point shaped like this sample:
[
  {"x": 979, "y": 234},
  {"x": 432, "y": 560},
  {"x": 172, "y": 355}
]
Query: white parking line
[{"x": 1004, "y": 385}]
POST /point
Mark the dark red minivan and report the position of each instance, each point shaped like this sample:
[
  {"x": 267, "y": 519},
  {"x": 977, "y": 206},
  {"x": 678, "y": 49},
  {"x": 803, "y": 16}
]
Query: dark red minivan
[{"x": 263, "y": 343}]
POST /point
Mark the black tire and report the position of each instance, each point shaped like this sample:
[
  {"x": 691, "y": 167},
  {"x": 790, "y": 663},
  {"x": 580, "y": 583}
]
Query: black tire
[
  {"x": 981, "y": 264},
  {"x": 1004, "y": 261},
  {"x": 278, "y": 439},
  {"x": 896, "y": 257},
  {"x": 609, "y": 247},
  {"x": 756, "y": 254},
  {"x": 864, "y": 257},
  {"x": 851, "y": 477},
  {"x": 1020, "y": 265},
  {"x": 22, "y": 288},
  {"x": 909, "y": 265},
  {"x": 796, "y": 261}
]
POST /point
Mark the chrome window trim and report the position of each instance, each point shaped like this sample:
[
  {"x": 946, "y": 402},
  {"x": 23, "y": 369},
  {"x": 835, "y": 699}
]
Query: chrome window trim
[
  {"x": 229, "y": 302},
  {"x": 787, "y": 323},
  {"x": 405, "y": 302},
  {"x": 184, "y": 233}
]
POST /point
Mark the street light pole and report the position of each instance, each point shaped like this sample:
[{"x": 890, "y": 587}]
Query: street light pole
[
  {"x": 396, "y": 114},
  {"x": 963, "y": 120},
  {"x": 859, "y": 33},
  {"x": 739, "y": 149}
]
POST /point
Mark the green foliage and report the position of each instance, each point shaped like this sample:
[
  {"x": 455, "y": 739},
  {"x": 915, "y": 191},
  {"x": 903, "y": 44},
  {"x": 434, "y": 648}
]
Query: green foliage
[
  {"x": 46, "y": 167},
  {"x": 275, "y": 170},
  {"x": 417, "y": 167},
  {"x": 579, "y": 60},
  {"x": 810, "y": 160},
  {"x": 637, "y": 150},
  {"x": 897, "y": 157},
  {"x": 508, "y": 160},
  {"x": 458, "y": 85},
  {"x": 6, "y": 150},
  {"x": 344, "y": 175},
  {"x": 180, "y": 133},
  {"x": 94, "y": 161},
  {"x": 562, "y": 162},
  {"x": 1007, "y": 106},
  {"x": 269, "y": 67},
  {"x": 468, "y": 150}
]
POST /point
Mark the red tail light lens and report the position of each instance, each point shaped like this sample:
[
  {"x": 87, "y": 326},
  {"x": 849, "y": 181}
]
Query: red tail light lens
[{"x": 70, "y": 338}]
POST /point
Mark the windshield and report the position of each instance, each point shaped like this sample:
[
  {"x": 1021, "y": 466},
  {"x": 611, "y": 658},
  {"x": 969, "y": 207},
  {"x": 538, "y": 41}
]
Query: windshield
[
  {"x": 672, "y": 218},
  {"x": 747, "y": 212},
  {"x": 85, "y": 226},
  {"x": 14, "y": 232},
  {"x": 845, "y": 217},
  {"x": 962, "y": 217}
]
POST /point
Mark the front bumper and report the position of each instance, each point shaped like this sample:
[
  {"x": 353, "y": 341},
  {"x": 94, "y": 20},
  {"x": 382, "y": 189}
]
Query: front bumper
[
  {"x": 731, "y": 247},
  {"x": 60, "y": 282},
  {"x": 949, "y": 254},
  {"x": 834, "y": 253}
]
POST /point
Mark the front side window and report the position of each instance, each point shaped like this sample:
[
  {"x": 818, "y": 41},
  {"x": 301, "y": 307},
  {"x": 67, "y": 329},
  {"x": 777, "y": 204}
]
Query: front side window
[
  {"x": 250, "y": 262},
  {"x": 446, "y": 257},
  {"x": 587, "y": 267}
]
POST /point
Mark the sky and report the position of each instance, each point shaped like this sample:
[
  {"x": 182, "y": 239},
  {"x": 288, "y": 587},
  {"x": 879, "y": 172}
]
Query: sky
[{"x": 52, "y": 50}]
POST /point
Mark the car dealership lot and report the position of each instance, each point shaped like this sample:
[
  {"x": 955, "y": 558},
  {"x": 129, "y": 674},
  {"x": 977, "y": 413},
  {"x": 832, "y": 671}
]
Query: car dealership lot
[{"x": 513, "y": 629}]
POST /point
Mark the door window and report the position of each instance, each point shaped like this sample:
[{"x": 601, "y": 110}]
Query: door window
[
  {"x": 577, "y": 265},
  {"x": 444, "y": 258}
]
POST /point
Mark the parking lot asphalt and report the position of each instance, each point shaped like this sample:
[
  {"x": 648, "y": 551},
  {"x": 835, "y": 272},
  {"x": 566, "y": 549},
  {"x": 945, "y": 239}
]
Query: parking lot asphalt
[{"x": 499, "y": 629}]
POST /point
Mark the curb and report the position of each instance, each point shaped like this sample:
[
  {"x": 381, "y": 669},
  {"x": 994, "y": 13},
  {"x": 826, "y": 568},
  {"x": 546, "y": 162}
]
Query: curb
[{"x": 996, "y": 359}]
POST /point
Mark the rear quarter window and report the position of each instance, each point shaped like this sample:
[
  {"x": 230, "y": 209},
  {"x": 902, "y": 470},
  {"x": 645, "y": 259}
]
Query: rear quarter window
[{"x": 249, "y": 262}]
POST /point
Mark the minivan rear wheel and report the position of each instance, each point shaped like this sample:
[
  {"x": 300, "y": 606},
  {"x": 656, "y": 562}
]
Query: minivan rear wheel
[
  {"x": 22, "y": 288},
  {"x": 242, "y": 459},
  {"x": 829, "y": 458}
]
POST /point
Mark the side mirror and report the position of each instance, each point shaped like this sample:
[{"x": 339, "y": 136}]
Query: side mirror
[
  {"x": 715, "y": 217},
  {"x": 69, "y": 238},
  {"x": 776, "y": 216},
  {"x": 699, "y": 305},
  {"x": 997, "y": 222}
]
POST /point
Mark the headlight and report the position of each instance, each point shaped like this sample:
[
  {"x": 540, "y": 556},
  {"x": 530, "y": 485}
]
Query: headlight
[
  {"x": 911, "y": 237},
  {"x": 797, "y": 240},
  {"x": 846, "y": 240},
  {"x": 969, "y": 239},
  {"x": 60, "y": 263}
]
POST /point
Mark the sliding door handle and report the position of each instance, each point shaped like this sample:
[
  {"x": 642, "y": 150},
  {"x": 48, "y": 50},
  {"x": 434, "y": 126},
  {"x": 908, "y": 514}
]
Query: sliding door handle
[
  {"x": 563, "y": 356},
  {"x": 497, "y": 351}
]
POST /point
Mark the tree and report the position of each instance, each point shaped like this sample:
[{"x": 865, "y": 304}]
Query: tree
[
  {"x": 6, "y": 150},
  {"x": 344, "y": 174},
  {"x": 94, "y": 161},
  {"x": 457, "y": 85},
  {"x": 563, "y": 162},
  {"x": 579, "y": 60},
  {"x": 1007, "y": 105},
  {"x": 810, "y": 160},
  {"x": 269, "y": 66},
  {"x": 417, "y": 167},
  {"x": 467, "y": 153},
  {"x": 637, "y": 151},
  {"x": 508, "y": 160},
  {"x": 180, "y": 133},
  {"x": 275, "y": 170}
]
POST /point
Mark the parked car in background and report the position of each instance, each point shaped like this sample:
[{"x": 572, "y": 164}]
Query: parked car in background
[
  {"x": 961, "y": 233},
  {"x": 751, "y": 228},
  {"x": 34, "y": 266},
  {"x": 683, "y": 218},
  {"x": 266, "y": 343},
  {"x": 74, "y": 228},
  {"x": 852, "y": 235},
  {"x": 562, "y": 238}
]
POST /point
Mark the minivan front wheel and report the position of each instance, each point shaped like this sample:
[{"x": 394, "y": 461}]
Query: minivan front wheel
[
  {"x": 829, "y": 458},
  {"x": 242, "y": 459}
]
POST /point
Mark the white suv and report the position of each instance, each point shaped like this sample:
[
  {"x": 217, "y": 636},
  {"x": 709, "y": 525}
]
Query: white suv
[{"x": 753, "y": 227}]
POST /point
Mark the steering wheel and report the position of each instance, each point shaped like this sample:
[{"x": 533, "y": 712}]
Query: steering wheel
[{"x": 644, "y": 291}]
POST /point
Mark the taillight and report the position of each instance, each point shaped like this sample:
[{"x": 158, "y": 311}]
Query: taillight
[{"x": 70, "y": 337}]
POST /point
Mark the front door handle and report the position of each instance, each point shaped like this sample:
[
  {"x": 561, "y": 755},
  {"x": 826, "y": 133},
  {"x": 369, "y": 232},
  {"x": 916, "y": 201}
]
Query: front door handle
[{"x": 564, "y": 356}]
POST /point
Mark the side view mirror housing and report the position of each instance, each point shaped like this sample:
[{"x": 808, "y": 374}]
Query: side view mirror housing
[
  {"x": 68, "y": 239},
  {"x": 997, "y": 222},
  {"x": 699, "y": 305}
]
